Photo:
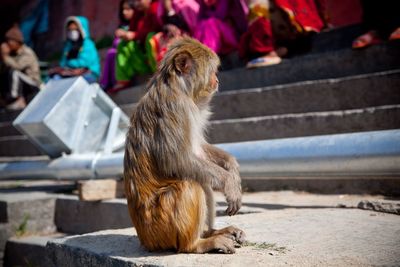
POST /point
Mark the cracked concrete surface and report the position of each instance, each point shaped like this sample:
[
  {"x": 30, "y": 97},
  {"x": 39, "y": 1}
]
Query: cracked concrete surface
[{"x": 286, "y": 229}]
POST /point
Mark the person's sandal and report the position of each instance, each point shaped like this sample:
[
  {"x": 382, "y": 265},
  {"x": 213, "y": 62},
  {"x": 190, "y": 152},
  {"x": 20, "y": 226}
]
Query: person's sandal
[
  {"x": 395, "y": 35},
  {"x": 18, "y": 104},
  {"x": 263, "y": 61},
  {"x": 365, "y": 40}
]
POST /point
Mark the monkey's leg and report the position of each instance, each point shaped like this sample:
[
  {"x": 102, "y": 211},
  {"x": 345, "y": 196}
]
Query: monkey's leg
[
  {"x": 210, "y": 207},
  {"x": 190, "y": 219}
]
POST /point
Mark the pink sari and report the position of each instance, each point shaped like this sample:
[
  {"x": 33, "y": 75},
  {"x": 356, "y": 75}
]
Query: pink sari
[{"x": 220, "y": 26}]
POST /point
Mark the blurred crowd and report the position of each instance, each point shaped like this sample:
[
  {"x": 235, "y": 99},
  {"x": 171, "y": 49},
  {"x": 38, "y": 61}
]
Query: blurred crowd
[{"x": 261, "y": 32}]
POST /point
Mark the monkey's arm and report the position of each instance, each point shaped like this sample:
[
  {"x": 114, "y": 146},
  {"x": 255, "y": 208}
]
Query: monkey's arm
[
  {"x": 221, "y": 158},
  {"x": 232, "y": 187},
  {"x": 207, "y": 173}
]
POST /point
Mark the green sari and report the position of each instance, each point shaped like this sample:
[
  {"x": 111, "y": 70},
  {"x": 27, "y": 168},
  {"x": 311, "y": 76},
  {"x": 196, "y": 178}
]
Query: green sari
[{"x": 134, "y": 59}]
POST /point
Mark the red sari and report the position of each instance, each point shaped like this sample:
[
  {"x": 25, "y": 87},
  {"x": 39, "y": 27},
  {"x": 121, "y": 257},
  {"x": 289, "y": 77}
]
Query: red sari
[{"x": 303, "y": 14}]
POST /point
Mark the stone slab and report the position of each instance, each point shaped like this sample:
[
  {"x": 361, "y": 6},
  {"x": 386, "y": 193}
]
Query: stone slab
[
  {"x": 305, "y": 124},
  {"x": 16, "y": 146},
  {"x": 28, "y": 251},
  {"x": 382, "y": 206},
  {"x": 310, "y": 96},
  {"x": 26, "y": 213},
  {"x": 294, "y": 237},
  {"x": 78, "y": 217},
  {"x": 333, "y": 64},
  {"x": 389, "y": 186}
]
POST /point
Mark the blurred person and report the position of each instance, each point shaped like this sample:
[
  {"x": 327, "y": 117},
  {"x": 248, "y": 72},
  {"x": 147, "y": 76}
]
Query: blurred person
[
  {"x": 19, "y": 69},
  {"x": 160, "y": 41},
  {"x": 220, "y": 24},
  {"x": 34, "y": 20},
  {"x": 126, "y": 12},
  {"x": 80, "y": 57},
  {"x": 277, "y": 27},
  {"x": 181, "y": 13},
  {"x": 257, "y": 43},
  {"x": 381, "y": 21},
  {"x": 134, "y": 54}
]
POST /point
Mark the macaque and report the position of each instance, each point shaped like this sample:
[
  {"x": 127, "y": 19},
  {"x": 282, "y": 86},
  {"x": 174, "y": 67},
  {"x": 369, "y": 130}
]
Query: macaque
[{"x": 170, "y": 170}]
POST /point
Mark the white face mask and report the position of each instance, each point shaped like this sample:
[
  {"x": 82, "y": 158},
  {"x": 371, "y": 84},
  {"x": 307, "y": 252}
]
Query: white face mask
[{"x": 73, "y": 35}]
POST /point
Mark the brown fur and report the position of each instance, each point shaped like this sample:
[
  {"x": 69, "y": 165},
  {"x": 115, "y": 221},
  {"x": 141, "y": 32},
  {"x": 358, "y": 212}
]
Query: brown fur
[{"x": 169, "y": 168}]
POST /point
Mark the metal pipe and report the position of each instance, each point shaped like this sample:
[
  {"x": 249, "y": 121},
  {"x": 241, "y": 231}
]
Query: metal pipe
[{"x": 368, "y": 154}]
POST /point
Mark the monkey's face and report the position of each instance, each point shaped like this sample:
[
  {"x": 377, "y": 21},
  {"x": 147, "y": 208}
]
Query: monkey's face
[{"x": 193, "y": 67}]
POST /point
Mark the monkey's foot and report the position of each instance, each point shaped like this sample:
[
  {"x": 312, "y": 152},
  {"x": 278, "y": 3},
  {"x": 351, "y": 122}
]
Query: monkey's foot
[
  {"x": 233, "y": 233},
  {"x": 215, "y": 243},
  {"x": 224, "y": 244}
]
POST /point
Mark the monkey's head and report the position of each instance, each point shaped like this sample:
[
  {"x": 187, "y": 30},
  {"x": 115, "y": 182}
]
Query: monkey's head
[{"x": 192, "y": 67}]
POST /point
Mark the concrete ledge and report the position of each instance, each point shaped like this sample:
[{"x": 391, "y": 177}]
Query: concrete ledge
[
  {"x": 389, "y": 186},
  {"x": 345, "y": 62},
  {"x": 311, "y": 96},
  {"x": 23, "y": 213},
  {"x": 298, "y": 237},
  {"x": 18, "y": 145},
  {"x": 350, "y": 92},
  {"x": 305, "y": 124},
  {"x": 332, "y": 64},
  {"x": 78, "y": 217},
  {"x": 28, "y": 251}
]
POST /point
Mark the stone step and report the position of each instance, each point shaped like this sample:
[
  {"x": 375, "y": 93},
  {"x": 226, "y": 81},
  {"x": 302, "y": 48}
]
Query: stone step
[
  {"x": 267, "y": 127},
  {"x": 359, "y": 91},
  {"x": 28, "y": 251},
  {"x": 25, "y": 213},
  {"x": 7, "y": 129},
  {"x": 78, "y": 217},
  {"x": 352, "y": 92},
  {"x": 305, "y": 124},
  {"x": 335, "y": 64},
  {"x": 7, "y": 115},
  {"x": 310, "y": 67},
  {"x": 17, "y": 146},
  {"x": 274, "y": 238},
  {"x": 336, "y": 39}
]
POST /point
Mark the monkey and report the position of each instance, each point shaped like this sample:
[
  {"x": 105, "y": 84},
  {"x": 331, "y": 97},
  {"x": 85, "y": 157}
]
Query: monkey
[{"x": 170, "y": 171}]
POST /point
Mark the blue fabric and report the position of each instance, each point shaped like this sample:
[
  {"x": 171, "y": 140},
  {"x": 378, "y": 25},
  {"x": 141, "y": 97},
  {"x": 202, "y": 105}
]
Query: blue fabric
[
  {"x": 88, "y": 56},
  {"x": 36, "y": 22}
]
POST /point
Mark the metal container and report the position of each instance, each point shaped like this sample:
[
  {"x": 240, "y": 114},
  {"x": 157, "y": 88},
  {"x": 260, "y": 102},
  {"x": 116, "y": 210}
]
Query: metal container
[{"x": 72, "y": 116}]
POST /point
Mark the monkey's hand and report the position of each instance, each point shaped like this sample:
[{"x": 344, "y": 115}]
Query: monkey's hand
[{"x": 233, "y": 194}]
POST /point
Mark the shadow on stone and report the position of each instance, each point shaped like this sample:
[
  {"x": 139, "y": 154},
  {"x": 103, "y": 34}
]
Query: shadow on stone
[
  {"x": 112, "y": 245},
  {"x": 282, "y": 207}
]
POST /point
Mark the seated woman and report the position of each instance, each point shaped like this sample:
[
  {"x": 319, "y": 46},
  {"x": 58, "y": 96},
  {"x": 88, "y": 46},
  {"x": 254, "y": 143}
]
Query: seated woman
[
  {"x": 126, "y": 11},
  {"x": 182, "y": 13},
  {"x": 80, "y": 55},
  {"x": 134, "y": 54},
  {"x": 220, "y": 24}
]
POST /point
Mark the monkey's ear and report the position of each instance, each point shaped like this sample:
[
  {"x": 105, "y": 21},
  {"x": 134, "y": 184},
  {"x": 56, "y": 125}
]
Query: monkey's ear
[{"x": 183, "y": 62}]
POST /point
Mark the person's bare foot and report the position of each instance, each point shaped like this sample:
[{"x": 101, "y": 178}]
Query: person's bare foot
[
  {"x": 365, "y": 40},
  {"x": 395, "y": 35},
  {"x": 18, "y": 104}
]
